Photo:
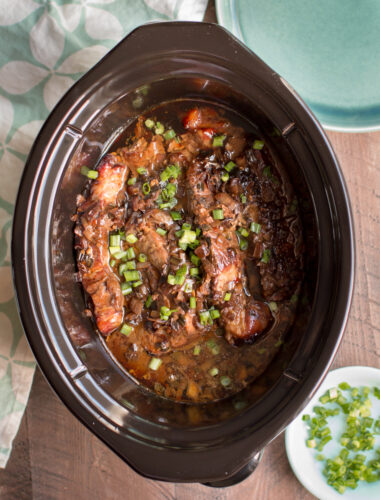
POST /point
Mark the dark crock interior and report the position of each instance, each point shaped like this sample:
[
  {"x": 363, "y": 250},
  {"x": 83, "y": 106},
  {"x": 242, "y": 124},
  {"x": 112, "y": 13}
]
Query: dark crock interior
[{"x": 161, "y": 438}]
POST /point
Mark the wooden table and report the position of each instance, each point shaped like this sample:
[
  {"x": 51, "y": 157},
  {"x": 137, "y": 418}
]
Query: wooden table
[{"x": 55, "y": 457}]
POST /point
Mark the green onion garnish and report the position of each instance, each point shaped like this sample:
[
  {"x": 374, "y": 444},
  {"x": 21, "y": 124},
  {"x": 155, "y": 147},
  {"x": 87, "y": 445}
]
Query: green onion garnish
[
  {"x": 193, "y": 303},
  {"x": 169, "y": 134},
  {"x": 130, "y": 265},
  {"x": 171, "y": 279},
  {"x": 131, "y": 254},
  {"x": 180, "y": 275},
  {"x": 218, "y": 214},
  {"x": 227, "y": 296},
  {"x": 112, "y": 262},
  {"x": 142, "y": 257},
  {"x": 230, "y": 166},
  {"x": 176, "y": 215},
  {"x": 126, "y": 288},
  {"x": 155, "y": 363},
  {"x": 91, "y": 174},
  {"x": 255, "y": 227},
  {"x": 225, "y": 176},
  {"x": 225, "y": 381},
  {"x": 266, "y": 256},
  {"x": 258, "y": 144},
  {"x": 243, "y": 244},
  {"x": 165, "y": 312},
  {"x": 149, "y": 123},
  {"x": 243, "y": 198},
  {"x": 267, "y": 171},
  {"x": 131, "y": 181},
  {"x": 205, "y": 318},
  {"x": 126, "y": 329},
  {"x": 146, "y": 188},
  {"x": 218, "y": 141},
  {"x": 171, "y": 171},
  {"x": 137, "y": 283},
  {"x": 213, "y": 371},
  {"x": 194, "y": 271},
  {"x": 161, "y": 231},
  {"x": 195, "y": 260},
  {"x": 244, "y": 232},
  {"x": 131, "y": 239},
  {"x": 113, "y": 250},
  {"x": 159, "y": 128},
  {"x": 132, "y": 276},
  {"x": 148, "y": 301},
  {"x": 142, "y": 171},
  {"x": 122, "y": 254},
  {"x": 188, "y": 236},
  {"x": 114, "y": 240},
  {"x": 214, "y": 313},
  {"x": 197, "y": 350}
]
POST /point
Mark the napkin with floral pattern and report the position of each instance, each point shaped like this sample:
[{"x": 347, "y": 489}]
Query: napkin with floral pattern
[{"x": 45, "y": 46}]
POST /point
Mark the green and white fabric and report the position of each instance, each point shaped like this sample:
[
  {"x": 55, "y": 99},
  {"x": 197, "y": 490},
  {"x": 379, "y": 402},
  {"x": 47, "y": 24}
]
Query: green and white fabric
[{"x": 46, "y": 46}]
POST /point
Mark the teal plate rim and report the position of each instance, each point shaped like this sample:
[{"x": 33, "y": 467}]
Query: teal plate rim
[{"x": 334, "y": 119}]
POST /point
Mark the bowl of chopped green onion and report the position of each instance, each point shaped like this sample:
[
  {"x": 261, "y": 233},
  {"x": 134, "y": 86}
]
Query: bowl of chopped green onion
[{"x": 333, "y": 446}]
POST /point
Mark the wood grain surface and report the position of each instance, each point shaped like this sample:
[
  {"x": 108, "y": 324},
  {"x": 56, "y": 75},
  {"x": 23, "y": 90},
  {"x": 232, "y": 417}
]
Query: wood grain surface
[{"x": 57, "y": 458}]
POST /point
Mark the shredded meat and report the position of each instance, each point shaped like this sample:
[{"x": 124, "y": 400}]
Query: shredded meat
[{"x": 101, "y": 213}]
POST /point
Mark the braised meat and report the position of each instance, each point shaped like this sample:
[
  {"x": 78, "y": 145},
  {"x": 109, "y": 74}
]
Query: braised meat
[{"x": 189, "y": 247}]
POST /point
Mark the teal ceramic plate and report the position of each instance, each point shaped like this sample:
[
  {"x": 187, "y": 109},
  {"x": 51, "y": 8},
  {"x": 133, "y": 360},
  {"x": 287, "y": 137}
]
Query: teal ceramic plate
[
  {"x": 328, "y": 50},
  {"x": 301, "y": 459}
]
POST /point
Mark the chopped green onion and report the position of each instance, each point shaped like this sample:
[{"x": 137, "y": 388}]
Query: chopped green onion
[
  {"x": 155, "y": 363},
  {"x": 244, "y": 232},
  {"x": 230, "y": 166},
  {"x": 186, "y": 225},
  {"x": 169, "y": 204},
  {"x": 266, "y": 256},
  {"x": 148, "y": 301},
  {"x": 113, "y": 250},
  {"x": 376, "y": 392},
  {"x": 273, "y": 306},
  {"x": 165, "y": 312},
  {"x": 311, "y": 443},
  {"x": 131, "y": 181},
  {"x": 227, "y": 296},
  {"x": 126, "y": 288},
  {"x": 188, "y": 236},
  {"x": 195, "y": 260},
  {"x": 171, "y": 171},
  {"x": 142, "y": 171},
  {"x": 213, "y": 346},
  {"x": 197, "y": 350},
  {"x": 112, "y": 262},
  {"x": 205, "y": 318},
  {"x": 176, "y": 215},
  {"x": 146, "y": 188},
  {"x": 120, "y": 255},
  {"x": 194, "y": 271},
  {"x": 137, "y": 283},
  {"x": 225, "y": 176},
  {"x": 213, "y": 371},
  {"x": 170, "y": 134},
  {"x": 255, "y": 227},
  {"x": 130, "y": 254},
  {"x": 130, "y": 265},
  {"x": 169, "y": 192},
  {"x": 243, "y": 244},
  {"x": 142, "y": 257},
  {"x": 161, "y": 231},
  {"x": 180, "y": 275},
  {"x": 131, "y": 239},
  {"x": 267, "y": 171},
  {"x": 218, "y": 214},
  {"x": 243, "y": 199},
  {"x": 114, "y": 240},
  {"x": 214, "y": 313},
  {"x": 258, "y": 144},
  {"x": 193, "y": 303},
  {"x": 218, "y": 141},
  {"x": 149, "y": 123},
  {"x": 188, "y": 287},
  {"x": 126, "y": 329},
  {"x": 131, "y": 275},
  {"x": 225, "y": 381},
  {"x": 171, "y": 279},
  {"x": 91, "y": 174},
  {"x": 159, "y": 128}
]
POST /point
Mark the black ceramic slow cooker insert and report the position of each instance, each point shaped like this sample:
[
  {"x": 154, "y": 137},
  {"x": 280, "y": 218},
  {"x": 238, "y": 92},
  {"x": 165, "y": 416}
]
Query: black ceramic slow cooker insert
[{"x": 163, "y": 439}]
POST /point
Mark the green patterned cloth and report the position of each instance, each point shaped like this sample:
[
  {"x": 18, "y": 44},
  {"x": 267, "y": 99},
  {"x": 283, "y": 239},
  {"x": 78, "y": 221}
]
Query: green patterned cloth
[{"x": 46, "y": 46}]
